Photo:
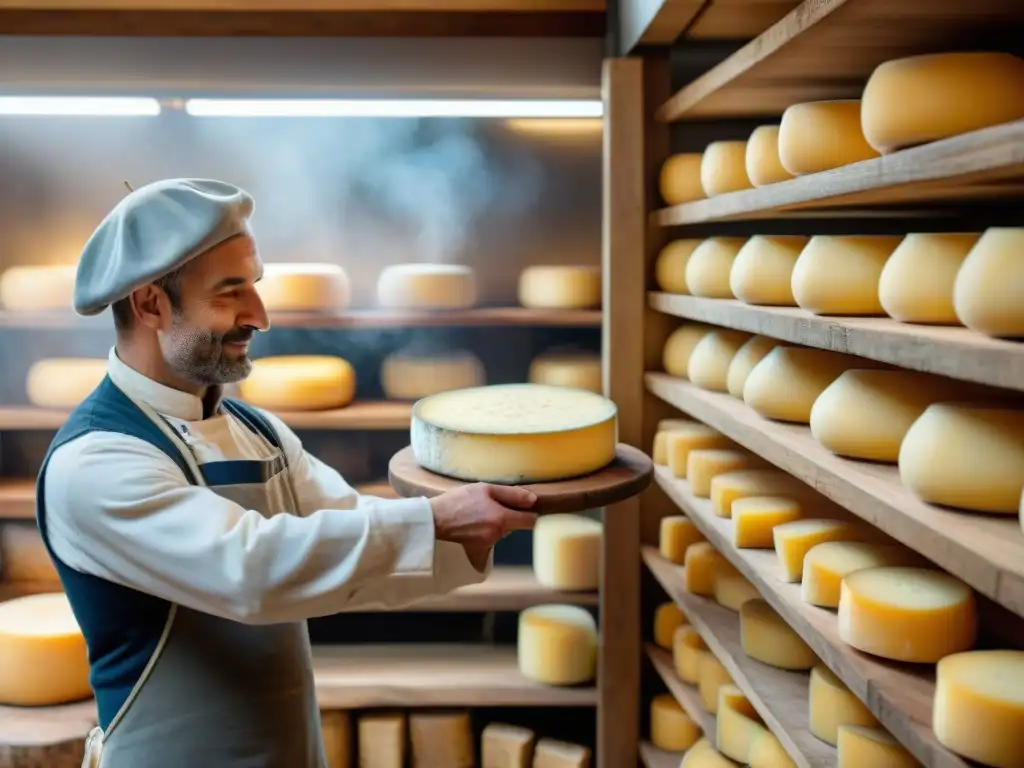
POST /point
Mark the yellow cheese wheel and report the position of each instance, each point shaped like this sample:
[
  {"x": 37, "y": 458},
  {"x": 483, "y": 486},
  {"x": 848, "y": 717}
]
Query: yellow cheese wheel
[
  {"x": 667, "y": 619},
  {"x": 787, "y": 381},
  {"x": 561, "y": 754},
  {"x": 839, "y": 274},
  {"x": 506, "y": 746},
  {"x": 820, "y": 135},
  {"x": 441, "y": 738},
  {"x": 675, "y": 358},
  {"x": 557, "y": 644},
  {"x": 702, "y": 466},
  {"x": 336, "y": 729},
  {"x": 676, "y": 535},
  {"x": 711, "y": 676},
  {"x": 670, "y": 266},
  {"x": 733, "y": 590},
  {"x": 706, "y": 757},
  {"x": 762, "y": 161},
  {"x": 308, "y": 287},
  {"x": 756, "y": 517},
  {"x": 686, "y": 647},
  {"x": 679, "y": 181},
  {"x": 762, "y": 272},
  {"x": 916, "y": 284},
  {"x": 382, "y": 740},
  {"x": 514, "y": 433},
  {"x": 990, "y": 282},
  {"x": 701, "y": 567},
  {"x": 710, "y": 359},
  {"x": 709, "y": 267},
  {"x": 63, "y": 382},
  {"x": 578, "y": 369},
  {"x": 407, "y": 375},
  {"x": 299, "y": 383},
  {"x": 768, "y": 752},
  {"x": 738, "y": 725},
  {"x": 724, "y": 168},
  {"x": 23, "y": 556},
  {"x": 686, "y": 438},
  {"x": 32, "y": 288},
  {"x": 567, "y": 552},
  {"x": 671, "y": 728},
  {"x": 426, "y": 286},
  {"x": 727, "y": 487},
  {"x": 858, "y": 746},
  {"x": 743, "y": 362},
  {"x": 558, "y": 287},
  {"x": 966, "y": 457},
  {"x": 907, "y": 614},
  {"x": 43, "y": 657},
  {"x": 832, "y": 704},
  {"x": 794, "y": 540},
  {"x": 919, "y": 99},
  {"x": 659, "y": 451},
  {"x": 767, "y": 638},
  {"x": 979, "y": 706},
  {"x": 827, "y": 564}
]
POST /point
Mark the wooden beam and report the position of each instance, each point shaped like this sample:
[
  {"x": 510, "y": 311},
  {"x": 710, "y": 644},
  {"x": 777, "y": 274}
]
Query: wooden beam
[{"x": 654, "y": 22}]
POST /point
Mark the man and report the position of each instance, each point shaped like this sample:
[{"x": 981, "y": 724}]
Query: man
[{"x": 193, "y": 534}]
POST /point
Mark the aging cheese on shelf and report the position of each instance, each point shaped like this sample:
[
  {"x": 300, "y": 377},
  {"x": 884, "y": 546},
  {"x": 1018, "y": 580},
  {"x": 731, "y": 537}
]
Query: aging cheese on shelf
[
  {"x": 916, "y": 284},
  {"x": 426, "y": 286},
  {"x": 827, "y": 564},
  {"x": 768, "y": 752},
  {"x": 741, "y": 483},
  {"x": 670, "y": 266},
  {"x": 832, "y": 704},
  {"x": 659, "y": 451},
  {"x": 309, "y": 287},
  {"x": 560, "y": 287},
  {"x": 723, "y": 168},
  {"x": 762, "y": 272},
  {"x": 762, "y": 161},
  {"x": 33, "y": 288},
  {"x": 709, "y": 267},
  {"x": 732, "y": 590},
  {"x": 988, "y": 287},
  {"x": 667, "y": 619},
  {"x": 703, "y": 465},
  {"x": 676, "y": 534},
  {"x": 701, "y": 568},
  {"x": 514, "y": 433},
  {"x": 794, "y": 540},
  {"x": 859, "y": 746},
  {"x": 979, "y": 706},
  {"x": 839, "y": 274},
  {"x": 557, "y": 644},
  {"x": 410, "y": 376},
  {"x": 442, "y": 738},
  {"x": 820, "y": 135},
  {"x": 675, "y": 357},
  {"x": 919, "y": 99},
  {"x": 685, "y": 439},
  {"x": 560, "y": 754},
  {"x": 711, "y": 676},
  {"x": 578, "y": 369},
  {"x": 63, "y": 382},
  {"x": 299, "y": 383},
  {"x": 767, "y": 638},
  {"x": 907, "y": 614},
  {"x": 706, "y": 756},
  {"x": 743, "y": 362},
  {"x": 679, "y": 181},
  {"x": 671, "y": 728},
  {"x": 965, "y": 457},
  {"x": 336, "y": 729},
  {"x": 756, "y": 517},
  {"x": 738, "y": 724},
  {"x": 687, "y": 645},
  {"x": 23, "y": 556},
  {"x": 43, "y": 657},
  {"x": 710, "y": 359},
  {"x": 382, "y": 740},
  {"x": 787, "y": 381},
  {"x": 567, "y": 552},
  {"x": 506, "y": 746}
]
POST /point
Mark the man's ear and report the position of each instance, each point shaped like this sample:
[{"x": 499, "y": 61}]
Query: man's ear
[{"x": 151, "y": 307}]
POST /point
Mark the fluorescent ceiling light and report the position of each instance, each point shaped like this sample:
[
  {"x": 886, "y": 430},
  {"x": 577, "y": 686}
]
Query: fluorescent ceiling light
[
  {"x": 86, "y": 106},
  {"x": 393, "y": 108}
]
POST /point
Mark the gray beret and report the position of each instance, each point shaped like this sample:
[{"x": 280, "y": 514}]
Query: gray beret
[{"x": 153, "y": 231}]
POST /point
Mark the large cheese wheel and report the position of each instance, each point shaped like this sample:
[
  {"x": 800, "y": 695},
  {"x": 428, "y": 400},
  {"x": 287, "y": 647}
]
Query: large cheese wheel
[
  {"x": 820, "y": 135},
  {"x": 514, "y": 433},
  {"x": 738, "y": 725},
  {"x": 709, "y": 266},
  {"x": 709, "y": 362},
  {"x": 677, "y": 533},
  {"x": 560, "y": 287},
  {"x": 561, "y": 754},
  {"x": 310, "y": 287},
  {"x": 691, "y": 437},
  {"x": 729, "y": 487},
  {"x": 670, "y": 266},
  {"x": 990, "y": 282},
  {"x": 675, "y": 357},
  {"x": 679, "y": 181},
  {"x": 979, "y": 706},
  {"x": 31, "y": 288},
  {"x": 923, "y": 98},
  {"x": 839, "y": 274},
  {"x": 743, "y": 362},
  {"x": 794, "y": 540},
  {"x": 756, "y": 517},
  {"x": 407, "y": 375},
  {"x": 506, "y": 746},
  {"x": 724, "y": 168},
  {"x": 711, "y": 676},
  {"x": 567, "y": 552},
  {"x": 763, "y": 269},
  {"x": 768, "y": 752},
  {"x": 686, "y": 647},
  {"x": 299, "y": 383},
  {"x": 426, "y": 286},
  {"x": 63, "y": 382},
  {"x": 43, "y": 657},
  {"x": 706, "y": 757},
  {"x": 827, "y": 564},
  {"x": 787, "y": 381},
  {"x": 382, "y": 740},
  {"x": 916, "y": 285},
  {"x": 557, "y": 644},
  {"x": 966, "y": 457},
  {"x": 671, "y": 728},
  {"x": 762, "y": 161},
  {"x": 336, "y": 730},
  {"x": 667, "y": 619},
  {"x": 23, "y": 556},
  {"x": 832, "y": 704},
  {"x": 907, "y": 614},
  {"x": 768, "y": 638},
  {"x": 566, "y": 368},
  {"x": 704, "y": 465},
  {"x": 441, "y": 738},
  {"x": 659, "y": 450},
  {"x": 857, "y": 746}
]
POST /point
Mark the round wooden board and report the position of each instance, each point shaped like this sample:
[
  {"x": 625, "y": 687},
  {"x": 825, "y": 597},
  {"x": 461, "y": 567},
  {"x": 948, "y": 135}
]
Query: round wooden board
[
  {"x": 45, "y": 737},
  {"x": 629, "y": 474}
]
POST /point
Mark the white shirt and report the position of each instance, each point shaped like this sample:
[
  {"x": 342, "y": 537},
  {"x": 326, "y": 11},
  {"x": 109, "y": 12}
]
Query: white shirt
[{"x": 119, "y": 508}]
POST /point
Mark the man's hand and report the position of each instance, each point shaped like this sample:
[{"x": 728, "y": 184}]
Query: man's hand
[{"x": 480, "y": 515}]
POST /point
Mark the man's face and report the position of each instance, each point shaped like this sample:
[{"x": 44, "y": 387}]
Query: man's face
[{"x": 219, "y": 311}]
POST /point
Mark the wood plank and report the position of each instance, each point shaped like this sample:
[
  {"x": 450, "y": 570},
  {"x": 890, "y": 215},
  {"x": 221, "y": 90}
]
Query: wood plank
[
  {"x": 654, "y": 22},
  {"x": 986, "y": 552},
  {"x": 900, "y": 695},
  {"x": 337, "y": 6},
  {"x": 779, "y": 696},
  {"x": 962, "y": 167},
  {"x": 948, "y": 351},
  {"x": 653, "y": 757},
  {"x": 737, "y": 19},
  {"x": 687, "y": 695}
]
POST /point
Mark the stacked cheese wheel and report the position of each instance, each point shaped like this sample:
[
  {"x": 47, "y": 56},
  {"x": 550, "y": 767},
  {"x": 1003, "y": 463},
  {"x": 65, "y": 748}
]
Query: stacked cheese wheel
[
  {"x": 310, "y": 287},
  {"x": 300, "y": 383}
]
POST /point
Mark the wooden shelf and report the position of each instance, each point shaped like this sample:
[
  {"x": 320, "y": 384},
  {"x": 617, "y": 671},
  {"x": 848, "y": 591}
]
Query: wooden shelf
[
  {"x": 653, "y": 757},
  {"x": 47, "y": 734},
  {"x": 687, "y": 695},
  {"x": 985, "y": 551},
  {"x": 980, "y": 164},
  {"x": 948, "y": 351},
  {"x": 900, "y": 695},
  {"x": 779, "y": 696}
]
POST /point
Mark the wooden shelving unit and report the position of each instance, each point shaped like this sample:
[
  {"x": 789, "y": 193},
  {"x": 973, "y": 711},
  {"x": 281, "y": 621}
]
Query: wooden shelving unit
[{"x": 687, "y": 695}]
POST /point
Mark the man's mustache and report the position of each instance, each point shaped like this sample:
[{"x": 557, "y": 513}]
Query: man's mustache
[{"x": 239, "y": 335}]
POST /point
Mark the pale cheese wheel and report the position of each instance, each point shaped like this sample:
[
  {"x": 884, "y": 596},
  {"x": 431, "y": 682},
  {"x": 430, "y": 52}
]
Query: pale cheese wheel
[
  {"x": 659, "y": 451},
  {"x": 514, "y": 433},
  {"x": 557, "y": 644},
  {"x": 762, "y": 272},
  {"x": 743, "y": 362},
  {"x": 667, "y": 619},
  {"x": 703, "y": 465},
  {"x": 675, "y": 358},
  {"x": 681, "y": 441},
  {"x": 43, "y": 656},
  {"x": 723, "y": 168},
  {"x": 679, "y": 180},
  {"x": 832, "y": 704},
  {"x": 768, "y": 752},
  {"x": 794, "y": 540},
  {"x": 727, "y": 487},
  {"x": 707, "y": 757},
  {"x": 426, "y": 286},
  {"x": 407, "y": 375},
  {"x": 762, "y": 160},
  {"x": 299, "y": 383},
  {"x": 907, "y": 614},
  {"x": 919, "y": 99},
  {"x": 857, "y": 746},
  {"x": 34, "y": 288},
  {"x": 581, "y": 370},
  {"x": 63, "y": 382},
  {"x": 686, "y": 647},
  {"x": 787, "y": 381},
  {"x": 670, "y": 266},
  {"x": 820, "y": 135},
  {"x": 561, "y": 754},
  {"x": 916, "y": 284},
  {"x": 711, "y": 676},
  {"x": 966, "y": 457},
  {"x": 671, "y": 728},
  {"x": 990, "y": 283},
  {"x": 23, "y": 556},
  {"x": 567, "y": 552},
  {"x": 839, "y": 274},
  {"x": 506, "y": 746},
  {"x": 336, "y": 729},
  {"x": 756, "y": 517},
  {"x": 827, "y": 564},
  {"x": 304, "y": 287},
  {"x": 733, "y": 590},
  {"x": 738, "y": 725},
  {"x": 677, "y": 533},
  {"x": 709, "y": 267},
  {"x": 710, "y": 359},
  {"x": 441, "y": 738},
  {"x": 701, "y": 568},
  {"x": 382, "y": 740},
  {"x": 767, "y": 638},
  {"x": 560, "y": 287},
  {"x": 979, "y": 706}
]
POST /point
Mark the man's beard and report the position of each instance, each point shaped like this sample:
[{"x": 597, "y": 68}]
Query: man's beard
[{"x": 197, "y": 355}]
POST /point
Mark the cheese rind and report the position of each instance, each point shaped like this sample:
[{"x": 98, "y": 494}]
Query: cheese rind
[
  {"x": 32, "y": 288},
  {"x": 701, "y": 568},
  {"x": 411, "y": 376},
  {"x": 738, "y": 725},
  {"x": 578, "y": 369},
  {"x": 917, "y": 281},
  {"x": 762, "y": 159},
  {"x": 711, "y": 676},
  {"x": 299, "y": 383},
  {"x": 667, "y": 619},
  {"x": 727, "y": 487},
  {"x": 743, "y": 362},
  {"x": 988, "y": 287},
  {"x": 839, "y": 274},
  {"x": 756, "y": 517},
  {"x": 733, "y": 590},
  {"x": 567, "y": 552},
  {"x": 709, "y": 267},
  {"x": 709, "y": 362},
  {"x": 767, "y": 637},
  {"x": 768, "y": 752},
  {"x": 506, "y": 746},
  {"x": 671, "y": 728},
  {"x": 675, "y": 358},
  {"x": 560, "y": 287},
  {"x": 787, "y": 381},
  {"x": 677, "y": 533},
  {"x": 723, "y": 168},
  {"x": 441, "y": 738},
  {"x": 670, "y": 266},
  {"x": 832, "y": 704},
  {"x": 560, "y": 754},
  {"x": 828, "y": 563},
  {"x": 679, "y": 180},
  {"x": 64, "y": 382},
  {"x": 382, "y": 740},
  {"x": 686, "y": 647},
  {"x": 820, "y": 135},
  {"x": 557, "y": 644},
  {"x": 858, "y": 746},
  {"x": 704, "y": 464},
  {"x": 659, "y": 451},
  {"x": 426, "y": 286},
  {"x": 691, "y": 437},
  {"x": 311, "y": 287},
  {"x": 762, "y": 272},
  {"x": 794, "y": 540},
  {"x": 336, "y": 729}
]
